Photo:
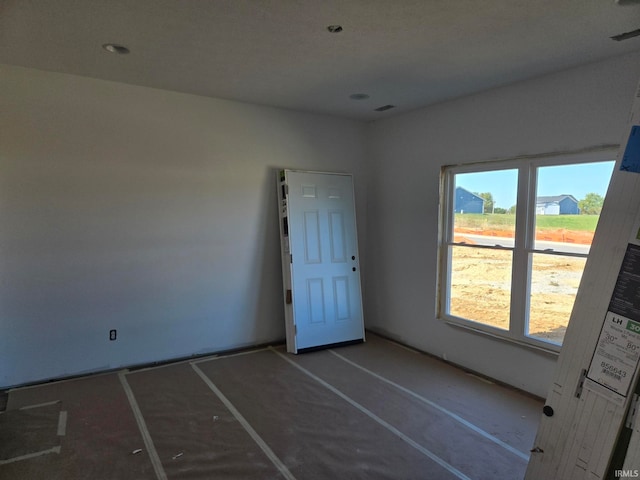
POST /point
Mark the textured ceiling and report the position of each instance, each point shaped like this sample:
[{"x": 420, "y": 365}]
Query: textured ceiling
[{"x": 279, "y": 52}]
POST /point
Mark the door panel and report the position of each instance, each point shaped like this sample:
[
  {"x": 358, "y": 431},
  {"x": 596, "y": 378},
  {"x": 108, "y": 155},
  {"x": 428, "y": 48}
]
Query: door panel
[
  {"x": 315, "y": 300},
  {"x": 341, "y": 297},
  {"x": 311, "y": 237},
  {"x": 336, "y": 235}
]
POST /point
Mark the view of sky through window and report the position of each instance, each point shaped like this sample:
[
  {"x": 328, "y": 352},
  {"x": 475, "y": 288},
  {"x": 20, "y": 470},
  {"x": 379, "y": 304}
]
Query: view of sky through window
[{"x": 585, "y": 179}]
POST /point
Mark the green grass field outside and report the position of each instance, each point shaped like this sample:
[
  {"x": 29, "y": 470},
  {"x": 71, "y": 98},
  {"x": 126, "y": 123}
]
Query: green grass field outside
[{"x": 506, "y": 221}]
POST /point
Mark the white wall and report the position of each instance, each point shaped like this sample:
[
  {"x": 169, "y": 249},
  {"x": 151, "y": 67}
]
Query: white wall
[
  {"x": 569, "y": 110},
  {"x": 153, "y": 213},
  {"x": 146, "y": 211}
]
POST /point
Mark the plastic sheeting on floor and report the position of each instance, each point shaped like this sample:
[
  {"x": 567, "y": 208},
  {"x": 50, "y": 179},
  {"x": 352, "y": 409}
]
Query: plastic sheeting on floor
[{"x": 369, "y": 411}]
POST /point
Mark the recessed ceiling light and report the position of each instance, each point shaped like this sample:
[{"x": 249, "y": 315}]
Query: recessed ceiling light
[
  {"x": 115, "y": 48},
  {"x": 335, "y": 28},
  {"x": 358, "y": 96}
]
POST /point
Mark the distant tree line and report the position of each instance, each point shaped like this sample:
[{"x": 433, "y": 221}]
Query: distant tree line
[{"x": 591, "y": 204}]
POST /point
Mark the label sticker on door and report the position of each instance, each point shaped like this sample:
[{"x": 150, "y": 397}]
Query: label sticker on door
[
  {"x": 617, "y": 353},
  {"x": 616, "y": 357}
]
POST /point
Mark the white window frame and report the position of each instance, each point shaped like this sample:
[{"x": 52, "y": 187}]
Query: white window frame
[{"x": 524, "y": 240}]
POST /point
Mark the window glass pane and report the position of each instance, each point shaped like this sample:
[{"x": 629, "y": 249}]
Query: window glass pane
[
  {"x": 480, "y": 288},
  {"x": 568, "y": 203},
  {"x": 554, "y": 285},
  {"x": 564, "y": 209},
  {"x": 485, "y": 207}
]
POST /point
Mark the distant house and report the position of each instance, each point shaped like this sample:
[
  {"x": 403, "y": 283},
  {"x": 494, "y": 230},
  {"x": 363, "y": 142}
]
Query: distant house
[
  {"x": 557, "y": 205},
  {"x": 467, "y": 202}
]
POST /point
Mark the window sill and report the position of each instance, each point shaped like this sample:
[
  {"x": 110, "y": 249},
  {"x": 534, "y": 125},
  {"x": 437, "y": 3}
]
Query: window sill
[{"x": 532, "y": 344}]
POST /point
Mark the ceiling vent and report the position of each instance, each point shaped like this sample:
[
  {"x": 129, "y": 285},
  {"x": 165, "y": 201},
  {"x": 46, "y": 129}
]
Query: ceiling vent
[{"x": 384, "y": 107}]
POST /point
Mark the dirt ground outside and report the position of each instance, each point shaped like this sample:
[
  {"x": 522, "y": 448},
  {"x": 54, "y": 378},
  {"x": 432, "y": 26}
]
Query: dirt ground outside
[{"x": 481, "y": 288}]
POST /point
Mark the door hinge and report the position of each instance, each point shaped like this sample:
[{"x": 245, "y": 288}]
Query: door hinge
[
  {"x": 290, "y": 258},
  {"x": 583, "y": 376},
  {"x": 633, "y": 410},
  {"x": 295, "y": 329}
]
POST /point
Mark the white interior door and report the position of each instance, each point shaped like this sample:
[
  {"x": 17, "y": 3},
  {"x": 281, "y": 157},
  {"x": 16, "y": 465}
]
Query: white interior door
[{"x": 325, "y": 277}]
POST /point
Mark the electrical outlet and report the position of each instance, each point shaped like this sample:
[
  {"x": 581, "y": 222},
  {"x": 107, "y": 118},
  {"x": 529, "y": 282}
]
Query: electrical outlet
[{"x": 112, "y": 334}]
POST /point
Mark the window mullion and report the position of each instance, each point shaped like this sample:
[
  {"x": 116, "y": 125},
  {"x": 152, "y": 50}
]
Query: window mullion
[{"x": 525, "y": 226}]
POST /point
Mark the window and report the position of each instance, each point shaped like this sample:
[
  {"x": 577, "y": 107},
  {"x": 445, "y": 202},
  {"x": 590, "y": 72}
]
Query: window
[{"x": 516, "y": 236}]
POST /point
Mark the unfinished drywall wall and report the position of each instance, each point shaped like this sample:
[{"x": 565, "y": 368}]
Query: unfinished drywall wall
[
  {"x": 145, "y": 211},
  {"x": 569, "y": 110}
]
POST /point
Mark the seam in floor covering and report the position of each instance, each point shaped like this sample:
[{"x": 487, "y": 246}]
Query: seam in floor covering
[
  {"x": 62, "y": 423},
  {"x": 142, "y": 426},
  {"x": 454, "y": 416},
  {"x": 428, "y": 453},
  {"x": 29, "y": 456},
  {"x": 61, "y": 432},
  {"x": 38, "y": 405},
  {"x": 245, "y": 424}
]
